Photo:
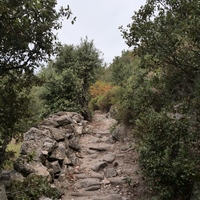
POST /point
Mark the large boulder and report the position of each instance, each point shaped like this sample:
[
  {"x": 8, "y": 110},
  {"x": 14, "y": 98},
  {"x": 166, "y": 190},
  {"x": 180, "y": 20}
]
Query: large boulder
[{"x": 119, "y": 133}]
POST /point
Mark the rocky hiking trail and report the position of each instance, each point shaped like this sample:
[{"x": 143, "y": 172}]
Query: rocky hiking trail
[
  {"x": 84, "y": 160},
  {"x": 107, "y": 165}
]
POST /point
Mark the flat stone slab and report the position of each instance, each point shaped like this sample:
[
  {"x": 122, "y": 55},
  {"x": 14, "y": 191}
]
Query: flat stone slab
[
  {"x": 93, "y": 188},
  {"x": 96, "y": 175},
  {"x": 110, "y": 172},
  {"x": 88, "y": 182},
  {"x": 116, "y": 180},
  {"x": 100, "y": 147},
  {"x": 81, "y": 176},
  {"x": 109, "y": 158}
]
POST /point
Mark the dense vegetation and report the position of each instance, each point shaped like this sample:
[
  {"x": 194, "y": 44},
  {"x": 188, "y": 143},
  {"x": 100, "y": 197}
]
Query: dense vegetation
[
  {"x": 155, "y": 88},
  {"x": 67, "y": 79},
  {"x": 27, "y": 38},
  {"x": 163, "y": 101}
]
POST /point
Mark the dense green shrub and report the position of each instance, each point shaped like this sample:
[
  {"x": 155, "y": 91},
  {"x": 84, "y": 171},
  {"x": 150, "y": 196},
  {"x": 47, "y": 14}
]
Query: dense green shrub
[
  {"x": 140, "y": 93},
  {"x": 68, "y": 79},
  {"x": 32, "y": 188},
  {"x": 168, "y": 154},
  {"x": 105, "y": 101},
  {"x": 93, "y": 103}
]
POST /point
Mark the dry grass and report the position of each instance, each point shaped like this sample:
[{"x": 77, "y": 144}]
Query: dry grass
[{"x": 14, "y": 147}]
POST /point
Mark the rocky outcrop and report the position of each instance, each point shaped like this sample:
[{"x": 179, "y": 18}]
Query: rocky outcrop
[{"x": 52, "y": 148}]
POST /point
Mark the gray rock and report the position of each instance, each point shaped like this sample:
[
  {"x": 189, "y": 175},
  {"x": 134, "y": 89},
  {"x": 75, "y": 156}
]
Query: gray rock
[
  {"x": 78, "y": 129},
  {"x": 69, "y": 128},
  {"x": 40, "y": 170},
  {"x": 57, "y": 134},
  {"x": 96, "y": 175},
  {"x": 74, "y": 144},
  {"x": 33, "y": 140},
  {"x": 88, "y": 182},
  {"x": 93, "y": 188},
  {"x": 55, "y": 166},
  {"x": 95, "y": 140},
  {"x": 51, "y": 149},
  {"x": 110, "y": 172},
  {"x": 109, "y": 158},
  {"x": 124, "y": 147},
  {"x": 49, "y": 122},
  {"x": 49, "y": 145},
  {"x": 116, "y": 180},
  {"x": 63, "y": 120},
  {"x": 111, "y": 140},
  {"x": 100, "y": 147},
  {"x": 8, "y": 176},
  {"x": 119, "y": 133},
  {"x": 23, "y": 167},
  {"x": 99, "y": 166},
  {"x": 59, "y": 153},
  {"x": 78, "y": 118},
  {"x": 91, "y": 152},
  {"x": 27, "y": 168},
  {"x": 82, "y": 176},
  {"x": 81, "y": 194},
  {"x": 74, "y": 160},
  {"x": 66, "y": 161}
]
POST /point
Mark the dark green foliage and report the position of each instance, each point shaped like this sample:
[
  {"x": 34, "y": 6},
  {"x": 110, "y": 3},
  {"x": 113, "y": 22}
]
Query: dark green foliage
[
  {"x": 68, "y": 78},
  {"x": 62, "y": 91},
  {"x": 161, "y": 99},
  {"x": 32, "y": 188},
  {"x": 168, "y": 155},
  {"x": 27, "y": 38},
  {"x": 93, "y": 103},
  {"x": 13, "y": 108},
  {"x": 122, "y": 67},
  {"x": 26, "y": 33},
  {"x": 168, "y": 32}
]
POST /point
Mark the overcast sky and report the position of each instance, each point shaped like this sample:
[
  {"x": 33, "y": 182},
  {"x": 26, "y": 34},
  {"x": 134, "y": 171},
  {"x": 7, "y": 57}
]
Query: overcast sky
[{"x": 99, "y": 20}]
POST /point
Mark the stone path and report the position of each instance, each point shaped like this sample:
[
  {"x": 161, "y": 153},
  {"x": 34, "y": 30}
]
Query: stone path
[{"x": 106, "y": 169}]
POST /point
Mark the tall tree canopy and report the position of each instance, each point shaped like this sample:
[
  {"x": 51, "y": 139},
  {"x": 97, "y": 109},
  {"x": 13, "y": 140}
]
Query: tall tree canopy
[
  {"x": 26, "y": 29},
  {"x": 168, "y": 31},
  {"x": 27, "y": 39},
  {"x": 68, "y": 78},
  {"x": 164, "y": 102}
]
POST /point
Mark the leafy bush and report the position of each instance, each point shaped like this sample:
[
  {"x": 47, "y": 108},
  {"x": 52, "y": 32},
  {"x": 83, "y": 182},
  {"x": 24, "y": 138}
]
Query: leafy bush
[
  {"x": 168, "y": 156},
  {"x": 105, "y": 101},
  {"x": 68, "y": 78},
  {"x": 140, "y": 93},
  {"x": 99, "y": 88},
  {"x": 32, "y": 188},
  {"x": 93, "y": 103},
  {"x": 12, "y": 153}
]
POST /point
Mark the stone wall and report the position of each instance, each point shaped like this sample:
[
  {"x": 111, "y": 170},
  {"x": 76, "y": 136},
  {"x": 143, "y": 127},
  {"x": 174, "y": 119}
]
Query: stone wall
[{"x": 52, "y": 148}]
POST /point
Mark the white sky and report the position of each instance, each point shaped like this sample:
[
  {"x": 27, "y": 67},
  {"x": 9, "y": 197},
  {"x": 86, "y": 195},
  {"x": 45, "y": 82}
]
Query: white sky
[{"x": 99, "y": 20}]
